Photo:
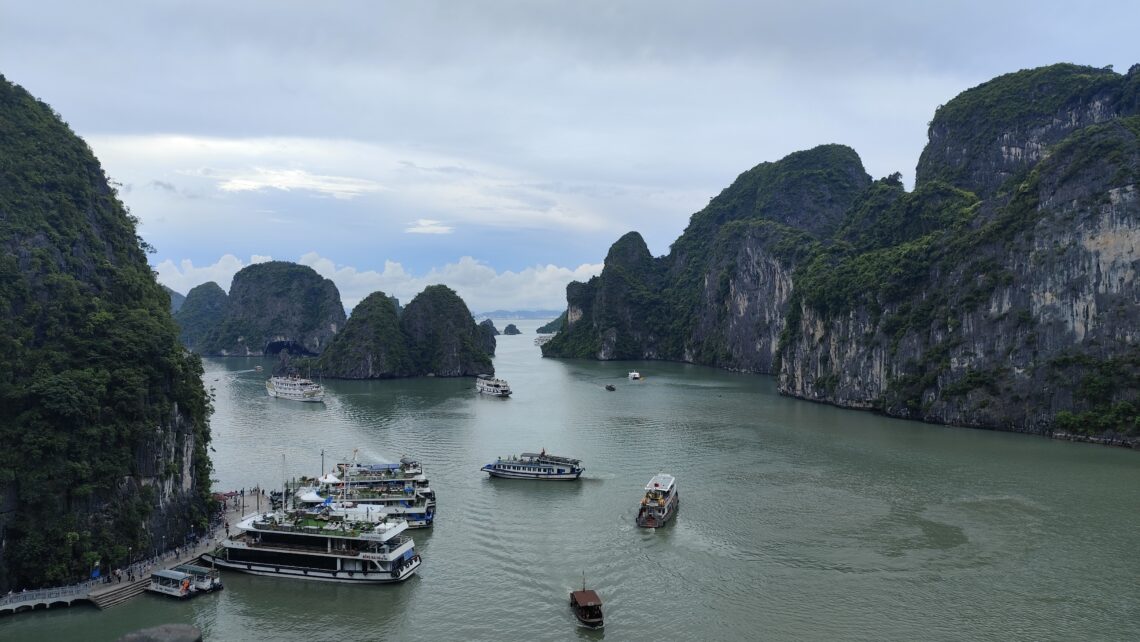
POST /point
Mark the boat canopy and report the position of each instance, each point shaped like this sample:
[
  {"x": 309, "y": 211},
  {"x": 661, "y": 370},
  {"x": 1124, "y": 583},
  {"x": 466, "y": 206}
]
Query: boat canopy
[
  {"x": 586, "y": 598},
  {"x": 661, "y": 482},
  {"x": 329, "y": 479},
  {"x": 551, "y": 458},
  {"x": 170, "y": 575}
]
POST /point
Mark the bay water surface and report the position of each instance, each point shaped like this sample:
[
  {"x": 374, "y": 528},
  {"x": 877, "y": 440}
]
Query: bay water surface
[{"x": 798, "y": 521}]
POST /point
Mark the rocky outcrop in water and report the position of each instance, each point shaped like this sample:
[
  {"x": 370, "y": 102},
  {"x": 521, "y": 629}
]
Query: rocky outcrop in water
[
  {"x": 434, "y": 335},
  {"x": 201, "y": 313},
  {"x": 1000, "y": 293},
  {"x": 277, "y": 306},
  {"x": 104, "y": 417},
  {"x": 511, "y": 329}
]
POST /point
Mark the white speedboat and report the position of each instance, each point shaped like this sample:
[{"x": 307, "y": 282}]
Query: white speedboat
[
  {"x": 334, "y": 543},
  {"x": 660, "y": 502},
  {"x": 489, "y": 385},
  {"x": 295, "y": 388},
  {"x": 535, "y": 466}
]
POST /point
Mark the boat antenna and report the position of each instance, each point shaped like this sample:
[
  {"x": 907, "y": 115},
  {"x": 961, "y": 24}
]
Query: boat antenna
[{"x": 583, "y": 580}]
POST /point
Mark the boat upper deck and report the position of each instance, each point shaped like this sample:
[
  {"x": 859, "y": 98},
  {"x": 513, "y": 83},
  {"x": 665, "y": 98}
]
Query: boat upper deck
[
  {"x": 554, "y": 459},
  {"x": 369, "y": 523},
  {"x": 661, "y": 482}
]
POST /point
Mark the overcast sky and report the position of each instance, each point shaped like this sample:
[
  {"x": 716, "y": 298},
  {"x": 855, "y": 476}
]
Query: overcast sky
[{"x": 498, "y": 147}]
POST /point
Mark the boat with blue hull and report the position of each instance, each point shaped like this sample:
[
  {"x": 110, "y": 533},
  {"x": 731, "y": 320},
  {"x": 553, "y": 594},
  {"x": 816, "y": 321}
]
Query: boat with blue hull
[{"x": 535, "y": 466}]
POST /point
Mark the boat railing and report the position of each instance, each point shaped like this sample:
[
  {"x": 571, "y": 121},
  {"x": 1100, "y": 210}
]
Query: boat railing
[
  {"x": 311, "y": 529},
  {"x": 383, "y": 549}
]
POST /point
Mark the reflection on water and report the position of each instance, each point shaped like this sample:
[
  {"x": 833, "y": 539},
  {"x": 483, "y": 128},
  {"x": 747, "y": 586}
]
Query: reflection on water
[{"x": 798, "y": 520}]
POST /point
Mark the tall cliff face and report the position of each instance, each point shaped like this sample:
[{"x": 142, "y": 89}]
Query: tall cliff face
[
  {"x": 1024, "y": 318},
  {"x": 277, "y": 306},
  {"x": 104, "y": 418},
  {"x": 371, "y": 346},
  {"x": 1001, "y": 292},
  {"x": 720, "y": 295},
  {"x": 1001, "y": 128},
  {"x": 203, "y": 310},
  {"x": 443, "y": 339}
]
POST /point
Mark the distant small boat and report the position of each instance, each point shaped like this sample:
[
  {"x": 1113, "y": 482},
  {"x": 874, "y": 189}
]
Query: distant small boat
[
  {"x": 634, "y": 375},
  {"x": 259, "y": 368},
  {"x": 610, "y": 387},
  {"x": 587, "y": 607}
]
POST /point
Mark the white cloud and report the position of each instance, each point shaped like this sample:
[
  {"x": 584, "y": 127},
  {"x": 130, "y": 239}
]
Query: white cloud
[
  {"x": 481, "y": 286},
  {"x": 260, "y": 178},
  {"x": 428, "y": 226},
  {"x": 184, "y": 276}
]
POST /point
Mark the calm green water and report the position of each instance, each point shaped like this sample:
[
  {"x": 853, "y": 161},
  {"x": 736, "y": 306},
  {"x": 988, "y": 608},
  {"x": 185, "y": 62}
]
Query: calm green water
[{"x": 798, "y": 521}]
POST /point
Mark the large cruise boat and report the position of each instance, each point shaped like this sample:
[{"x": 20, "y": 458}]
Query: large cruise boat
[
  {"x": 660, "y": 502},
  {"x": 295, "y": 388},
  {"x": 489, "y": 385},
  {"x": 334, "y": 543},
  {"x": 535, "y": 466},
  {"x": 400, "y": 489}
]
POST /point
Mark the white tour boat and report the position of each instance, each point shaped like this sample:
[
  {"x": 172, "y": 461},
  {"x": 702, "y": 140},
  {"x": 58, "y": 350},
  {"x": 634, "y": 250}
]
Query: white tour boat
[
  {"x": 535, "y": 466},
  {"x": 172, "y": 583},
  {"x": 660, "y": 502},
  {"x": 489, "y": 385},
  {"x": 634, "y": 375},
  {"x": 334, "y": 543},
  {"x": 295, "y": 388}
]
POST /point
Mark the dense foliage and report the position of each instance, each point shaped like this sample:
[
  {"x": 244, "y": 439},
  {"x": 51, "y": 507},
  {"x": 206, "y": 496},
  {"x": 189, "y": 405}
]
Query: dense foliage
[
  {"x": 554, "y": 326},
  {"x": 97, "y": 398},
  {"x": 434, "y": 335},
  {"x": 276, "y": 299},
  {"x": 202, "y": 311}
]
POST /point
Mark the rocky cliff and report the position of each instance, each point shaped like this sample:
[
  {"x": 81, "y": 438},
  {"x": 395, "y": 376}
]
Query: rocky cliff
[
  {"x": 277, "y": 306},
  {"x": 176, "y": 299},
  {"x": 203, "y": 310},
  {"x": 1000, "y": 293},
  {"x": 434, "y": 335},
  {"x": 104, "y": 417}
]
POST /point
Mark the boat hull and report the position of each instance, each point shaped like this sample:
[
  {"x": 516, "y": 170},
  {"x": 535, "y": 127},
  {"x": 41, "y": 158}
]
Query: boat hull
[
  {"x": 514, "y": 474},
  {"x": 293, "y": 572}
]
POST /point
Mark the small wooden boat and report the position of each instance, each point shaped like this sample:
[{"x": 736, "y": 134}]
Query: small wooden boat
[
  {"x": 610, "y": 387},
  {"x": 587, "y": 608}
]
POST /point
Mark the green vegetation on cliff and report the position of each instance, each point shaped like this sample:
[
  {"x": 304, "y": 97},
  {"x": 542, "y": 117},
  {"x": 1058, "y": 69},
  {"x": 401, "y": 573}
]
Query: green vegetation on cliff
[
  {"x": 277, "y": 305},
  {"x": 554, "y": 326},
  {"x": 371, "y": 344},
  {"x": 201, "y": 312},
  {"x": 98, "y": 401},
  {"x": 434, "y": 334}
]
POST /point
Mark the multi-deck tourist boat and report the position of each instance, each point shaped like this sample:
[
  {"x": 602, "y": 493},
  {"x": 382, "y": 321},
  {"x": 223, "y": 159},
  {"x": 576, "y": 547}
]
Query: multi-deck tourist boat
[
  {"x": 202, "y": 579},
  {"x": 334, "y": 543},
  {"x": 660, "y": 502},
  {"x": 295, "y": 388},
  {"x": 535, "y": 466},
  {"x": 172, "y": 583},
  {"x": 489, "y": 385},
  {"x": 400, "y": 489}
]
